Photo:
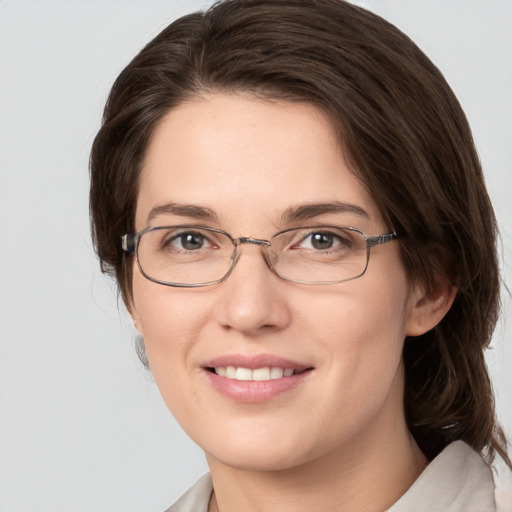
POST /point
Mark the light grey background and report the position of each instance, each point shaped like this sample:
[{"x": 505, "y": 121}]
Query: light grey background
[{"x": 82, "y": 426}]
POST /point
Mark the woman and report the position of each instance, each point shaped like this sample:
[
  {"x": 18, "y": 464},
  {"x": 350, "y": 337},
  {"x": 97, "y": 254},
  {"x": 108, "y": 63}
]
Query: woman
[{"x": 251, "y": 160}]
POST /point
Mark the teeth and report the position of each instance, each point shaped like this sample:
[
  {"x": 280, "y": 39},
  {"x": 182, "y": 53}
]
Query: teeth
[
  {"x": 243, "y": 374},
  {"x": 276, "y": 373},
  {"x": 259, "y": 374}
]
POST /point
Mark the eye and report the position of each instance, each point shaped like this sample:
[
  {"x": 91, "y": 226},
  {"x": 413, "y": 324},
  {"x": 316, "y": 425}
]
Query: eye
[
  {"x": 187, "y": 241},
  {"x": 323, "y": 241},
  {"x": 191, "y": 241}
]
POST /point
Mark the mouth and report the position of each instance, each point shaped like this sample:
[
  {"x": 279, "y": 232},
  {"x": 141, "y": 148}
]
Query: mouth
[
  {"x": 255, "y": 379},
  {"x": 264, "y": 373}
]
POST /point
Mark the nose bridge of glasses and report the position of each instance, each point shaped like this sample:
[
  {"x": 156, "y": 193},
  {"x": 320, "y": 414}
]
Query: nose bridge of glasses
[
  {"x": 250, "y": 240},
  {"x": 264, "y": 244}
]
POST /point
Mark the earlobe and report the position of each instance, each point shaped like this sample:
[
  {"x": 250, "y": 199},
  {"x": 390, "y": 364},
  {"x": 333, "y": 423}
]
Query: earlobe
[{"x": 429, "y": 307}]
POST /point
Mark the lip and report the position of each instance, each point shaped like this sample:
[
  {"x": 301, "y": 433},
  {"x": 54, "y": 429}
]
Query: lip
[
  {"x": 255, "y": 361},
  {"x": 253, "y": 392}
]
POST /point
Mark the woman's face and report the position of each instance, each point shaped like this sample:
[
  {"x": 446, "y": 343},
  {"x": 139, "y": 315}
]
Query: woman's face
[{"x": 249, "y": 166}]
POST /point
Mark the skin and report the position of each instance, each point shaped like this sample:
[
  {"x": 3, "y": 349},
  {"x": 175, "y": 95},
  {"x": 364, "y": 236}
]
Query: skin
[{"x": 324, "y": 443}]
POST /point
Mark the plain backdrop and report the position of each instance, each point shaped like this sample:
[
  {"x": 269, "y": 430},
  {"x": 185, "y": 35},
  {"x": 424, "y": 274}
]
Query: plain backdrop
[{"x": 82, "y": 426}]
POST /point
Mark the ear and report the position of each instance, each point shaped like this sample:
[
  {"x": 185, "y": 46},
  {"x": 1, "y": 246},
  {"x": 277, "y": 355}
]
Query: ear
[{"x": 428, "y": 308}]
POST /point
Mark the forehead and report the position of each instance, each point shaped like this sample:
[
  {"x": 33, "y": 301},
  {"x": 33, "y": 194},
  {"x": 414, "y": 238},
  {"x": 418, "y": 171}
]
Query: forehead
[{"x": 246, "y": 159}]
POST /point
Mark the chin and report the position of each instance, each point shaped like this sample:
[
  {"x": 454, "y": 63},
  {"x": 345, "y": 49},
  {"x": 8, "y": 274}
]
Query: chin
[
  {"x": 261, "y": 453},
  {"x": 256, "y": 460}
]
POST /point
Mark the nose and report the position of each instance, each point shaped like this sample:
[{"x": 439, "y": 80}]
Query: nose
[{"x": 253, "y": 300}]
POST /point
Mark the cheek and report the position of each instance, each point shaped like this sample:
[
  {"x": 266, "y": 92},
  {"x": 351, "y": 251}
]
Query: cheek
[
  {"x": 161, "y": 312},
  {"x": 362, "y": 339},
  {"x": 170, "y": 325},
  {"x": 169, "y": 320},
  {"x": 362, "y": 331},
  {"x": 355, "y": 312}
]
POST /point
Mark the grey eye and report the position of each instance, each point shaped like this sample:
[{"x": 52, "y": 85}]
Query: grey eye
[
  {"x": 322, "y": 240},
  {"x": 191, "y": 241},
  {"x": 186, "y": 241}
]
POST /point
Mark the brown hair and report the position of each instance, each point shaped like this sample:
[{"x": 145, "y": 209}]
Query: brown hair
[{"x": 406, "y": 138}]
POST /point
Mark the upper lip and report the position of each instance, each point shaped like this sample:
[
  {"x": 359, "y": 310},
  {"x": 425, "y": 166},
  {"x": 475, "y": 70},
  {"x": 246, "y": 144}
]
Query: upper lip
[{"x": 255, "y": 361}]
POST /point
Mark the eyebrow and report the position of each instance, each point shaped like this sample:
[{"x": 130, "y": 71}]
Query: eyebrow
[
  {"x": 309, "y": 211},
  {"x": 182, "y": 210},
  {"x": 293, "y": 214}
]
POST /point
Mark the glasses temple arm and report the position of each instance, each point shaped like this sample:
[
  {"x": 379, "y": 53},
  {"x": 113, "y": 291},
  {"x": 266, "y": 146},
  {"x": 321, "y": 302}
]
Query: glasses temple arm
[
  {"x": 128, "y": 242},
  {"x": 381, "y": 239}
]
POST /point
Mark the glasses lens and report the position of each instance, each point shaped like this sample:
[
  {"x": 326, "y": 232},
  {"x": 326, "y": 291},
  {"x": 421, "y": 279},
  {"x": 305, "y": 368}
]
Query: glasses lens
[
  {"x": 184, "y": 255},
  {"x": 323, "y": 254}
]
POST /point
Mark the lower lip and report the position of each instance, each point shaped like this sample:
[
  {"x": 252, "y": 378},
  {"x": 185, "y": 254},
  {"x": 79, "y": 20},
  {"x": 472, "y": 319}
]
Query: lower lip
[{"x": 252, "y": 391}]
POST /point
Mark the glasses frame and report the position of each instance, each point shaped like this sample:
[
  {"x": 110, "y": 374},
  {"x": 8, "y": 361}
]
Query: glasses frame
[{"x": 130, "y": 244}]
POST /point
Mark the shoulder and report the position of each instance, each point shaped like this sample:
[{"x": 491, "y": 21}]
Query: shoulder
[
  {"x": 197, "y": 498},
  {"x": 457, "y": 480}
]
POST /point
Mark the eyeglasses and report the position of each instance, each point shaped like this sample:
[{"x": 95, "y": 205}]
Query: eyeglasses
[{"x": 193, "y": 256}]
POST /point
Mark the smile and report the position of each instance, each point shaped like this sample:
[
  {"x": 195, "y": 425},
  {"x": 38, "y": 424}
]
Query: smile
[
  {"x": 258, "y": 374},
  {"x": 254, "y": 379}
]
